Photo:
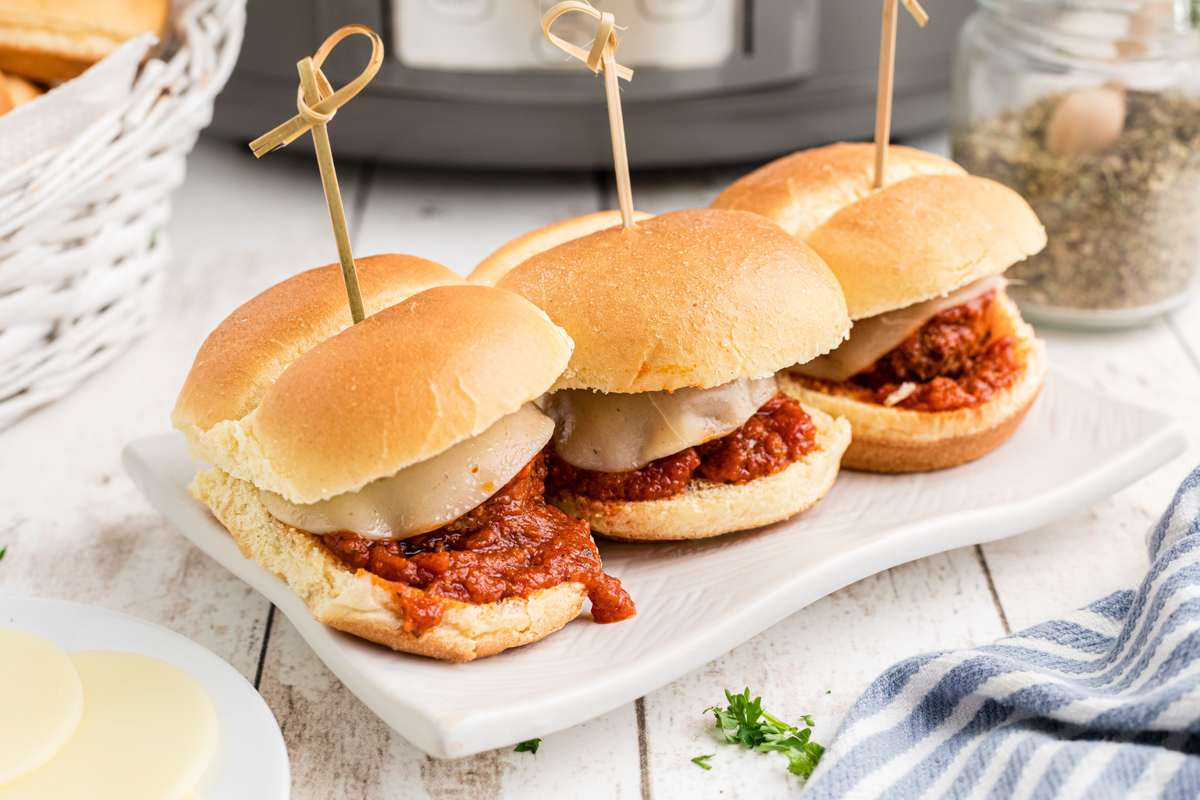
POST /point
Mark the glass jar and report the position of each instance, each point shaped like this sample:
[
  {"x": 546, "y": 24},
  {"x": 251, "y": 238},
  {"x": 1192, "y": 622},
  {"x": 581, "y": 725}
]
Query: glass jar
[{"x": 1091, "y": 111}]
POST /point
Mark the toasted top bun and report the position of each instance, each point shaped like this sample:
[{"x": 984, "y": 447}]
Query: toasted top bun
[
  {"x": 690, "y": 298},
  {"x": 244, "y": 355},
  {"x": 801, "y": 191},
  {"x": 55, "y": 40},
  {"x": 400, "y": 387},
  {"x": 498, "y": 264},
  {"x": 21, "y": 91},
  {"x": 7, "y": 101},
  {"x": 924, "y": 237}
]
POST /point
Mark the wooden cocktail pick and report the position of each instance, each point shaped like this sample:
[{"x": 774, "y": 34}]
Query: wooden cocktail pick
[
  {"x": 317, "y": 102},
  {"x": 602, "y": 56},
  {"x": 887, "y": 71}
]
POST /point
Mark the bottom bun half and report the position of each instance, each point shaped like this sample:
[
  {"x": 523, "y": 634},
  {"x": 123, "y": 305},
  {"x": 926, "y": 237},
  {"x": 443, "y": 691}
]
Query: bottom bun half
[
  {"x": 705, "y": 509},
  {"x": 358, "y": 602},
  {"x": 899, "y": 440}
]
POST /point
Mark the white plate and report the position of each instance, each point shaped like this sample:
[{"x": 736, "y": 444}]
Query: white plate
[
  {"x": 251, "y": 761},
  {"x": 698, "y": 600}
]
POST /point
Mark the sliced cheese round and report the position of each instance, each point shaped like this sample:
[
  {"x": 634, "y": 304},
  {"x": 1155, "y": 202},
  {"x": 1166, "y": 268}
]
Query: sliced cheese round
[
  {"x": 874, "y": 337},
  {"x": 148, "y": 732},
  {"x": 41, "y": 702},
  {"x": 622, "y": 432},
  {"x": 426, "y": 496}
]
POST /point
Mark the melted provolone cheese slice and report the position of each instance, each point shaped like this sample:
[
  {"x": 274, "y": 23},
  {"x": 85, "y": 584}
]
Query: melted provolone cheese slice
[
  {"x": 427, "y": 495},
  {"x": 148, "y": 732},
  {"x": 622, "y": 432},
  {"x": 41, "y": 702},
  {"x": 874, "y": 337}
]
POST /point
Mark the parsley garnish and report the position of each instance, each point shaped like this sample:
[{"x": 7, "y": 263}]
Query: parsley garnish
[
  {"x": 528, "y": 747},
  {"x": 744, "y": 722},
  {"x": 699, "y": 761},
  {"x": 3, "y": 552}
]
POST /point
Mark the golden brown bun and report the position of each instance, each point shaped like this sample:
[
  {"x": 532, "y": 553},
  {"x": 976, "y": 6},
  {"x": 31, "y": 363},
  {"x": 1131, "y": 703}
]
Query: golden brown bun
[
  {"x": 400, "y": 387},
  {"x": 56, "y": 40},
  {"x": 21, "y": 91},
  {"x": 499, "y": 263},
  {"x": 924, "y": 237},
  {"x": 364, "y": 604},
  {"x": 7, "y": 101},
  {"x": 244, "y": 355},
  {"x": 801, "y": 191},
  {"x": 707, "y": 509},
  {"x": 689, "y": 298},
  {"x": 899, "y": 440}
]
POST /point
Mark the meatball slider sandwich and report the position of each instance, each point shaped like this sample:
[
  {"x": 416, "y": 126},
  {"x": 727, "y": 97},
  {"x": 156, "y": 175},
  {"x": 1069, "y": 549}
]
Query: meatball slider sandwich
[
  {"x": 669, "y": 421},
  {"x": 391, "y": 471},
  {"x": 939, "y": 368}
]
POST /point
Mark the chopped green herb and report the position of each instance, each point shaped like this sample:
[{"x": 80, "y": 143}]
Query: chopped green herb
[
  {"x": 744, "y": 722},
  {"x": 699, "y": 761},
  {"x": 528, "y": 747},
  {"x": 3, "y": 552}
]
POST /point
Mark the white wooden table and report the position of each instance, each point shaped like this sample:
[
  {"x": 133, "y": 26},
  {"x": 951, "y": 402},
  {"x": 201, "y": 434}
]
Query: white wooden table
[{"x": 76, "y": 528}]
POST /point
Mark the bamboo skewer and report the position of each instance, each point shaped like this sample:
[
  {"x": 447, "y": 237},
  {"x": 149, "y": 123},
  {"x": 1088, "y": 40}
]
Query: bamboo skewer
[
  {"x": 602, "y": 57},
  {"x": 333, "y": 195},
  {"x": 616, "y": 123},
  {"x": 887, "y": 72},
  {"x": 317, "y": 103},
  {"x": 883, "y": 100}
]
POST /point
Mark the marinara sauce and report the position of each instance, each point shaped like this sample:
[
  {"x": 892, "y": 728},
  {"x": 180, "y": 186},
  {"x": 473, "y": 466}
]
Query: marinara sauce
[
  {"x": 955, "y": 360},
  {"x": 509, "y": 546},
  {"x": 779, "y": 434}
]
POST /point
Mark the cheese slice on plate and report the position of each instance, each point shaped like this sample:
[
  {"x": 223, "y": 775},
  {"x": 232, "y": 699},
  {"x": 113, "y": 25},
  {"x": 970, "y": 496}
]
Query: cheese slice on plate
[
  {"x": 41, "y": 701},
  {"x": 148, "y": 732}
]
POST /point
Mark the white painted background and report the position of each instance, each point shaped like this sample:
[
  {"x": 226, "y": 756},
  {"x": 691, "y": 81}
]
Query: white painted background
[{"x": 77, "y": 529}]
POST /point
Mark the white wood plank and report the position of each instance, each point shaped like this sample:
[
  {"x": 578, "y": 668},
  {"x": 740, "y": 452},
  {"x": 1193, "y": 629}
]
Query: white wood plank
[
  {"x": 1186, "y": 324},
  {"x": 256, "y": 221},
  {"x": 660, "y": 191},
  {"x": 816, "y": 662},
  {"x": 1052, "y": 570},
  {"x": 457, "y": 219},
  {"x": 340, "y": 749},
  {"x": 75, "y": 526}
]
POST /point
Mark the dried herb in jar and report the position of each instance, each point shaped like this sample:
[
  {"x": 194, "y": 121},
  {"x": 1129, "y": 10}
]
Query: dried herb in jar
[{"x": 1124, "y": 224}]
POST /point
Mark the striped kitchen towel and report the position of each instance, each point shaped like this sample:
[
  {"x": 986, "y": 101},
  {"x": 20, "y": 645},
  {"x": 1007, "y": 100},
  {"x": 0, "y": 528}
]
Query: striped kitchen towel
[{"x": 1102, "y": 704}]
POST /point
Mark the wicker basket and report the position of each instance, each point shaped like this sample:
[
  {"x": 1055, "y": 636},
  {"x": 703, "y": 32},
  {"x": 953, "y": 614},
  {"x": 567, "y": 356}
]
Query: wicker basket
[{"x": 82, "y": 242}]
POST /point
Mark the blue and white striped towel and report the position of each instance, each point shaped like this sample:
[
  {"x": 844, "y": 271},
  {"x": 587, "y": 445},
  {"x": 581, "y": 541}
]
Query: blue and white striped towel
[{"x": 1102, "y": 704}]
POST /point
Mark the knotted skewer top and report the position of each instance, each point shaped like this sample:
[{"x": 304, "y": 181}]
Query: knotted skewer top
[
  {"x": 605, "y": 43},
  {"x": 317, "y": 102},
  {"x": 324, "y": 110},
  {"x": 602, "y": 58}
]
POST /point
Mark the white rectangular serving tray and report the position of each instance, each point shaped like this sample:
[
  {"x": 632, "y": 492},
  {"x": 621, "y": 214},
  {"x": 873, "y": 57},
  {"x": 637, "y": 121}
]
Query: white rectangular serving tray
[{"x": 698, "y": 600}]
